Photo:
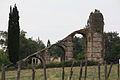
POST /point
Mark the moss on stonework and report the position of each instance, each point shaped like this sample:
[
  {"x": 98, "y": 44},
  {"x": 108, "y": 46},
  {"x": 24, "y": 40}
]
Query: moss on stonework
[{"x": 96, "y": 21}]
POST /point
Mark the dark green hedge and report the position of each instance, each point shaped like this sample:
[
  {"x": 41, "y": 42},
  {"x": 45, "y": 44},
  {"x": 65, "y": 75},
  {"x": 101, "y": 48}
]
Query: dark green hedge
[
  {"x": 56, "y": 65},
  {"x": 66, "y": 64}
]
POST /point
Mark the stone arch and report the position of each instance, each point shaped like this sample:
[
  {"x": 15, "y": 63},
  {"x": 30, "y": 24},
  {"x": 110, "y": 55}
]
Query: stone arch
[
  {"x": 40, "y": 59},
  {"x": 38, "y": 55},
  {"x": 68, "y": 42},
  {"x": 78, "y": 36},
  {"x": 62, "y": 48},
  {"x": 93, "y": 40}
]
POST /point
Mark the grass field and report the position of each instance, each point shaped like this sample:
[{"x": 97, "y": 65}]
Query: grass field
[{"x": 55, "y": 73}]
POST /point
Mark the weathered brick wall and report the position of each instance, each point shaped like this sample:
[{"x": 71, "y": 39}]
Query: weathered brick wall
[
  {"x": 95, "y": 47},
  {"x": 95, "y": 38},
  {"x": 68, "y": 47}
]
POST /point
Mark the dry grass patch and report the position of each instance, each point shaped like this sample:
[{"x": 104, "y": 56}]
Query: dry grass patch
[{"x": 56, "y": 73}]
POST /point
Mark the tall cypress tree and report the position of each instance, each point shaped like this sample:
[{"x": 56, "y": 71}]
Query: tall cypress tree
[
  {"x": 13, "y": 35},
  {"x": 48, "y": 43}
]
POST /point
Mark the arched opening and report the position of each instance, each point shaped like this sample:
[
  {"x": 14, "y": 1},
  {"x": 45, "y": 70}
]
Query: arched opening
[
  {"x": 78, "y": 47},
  {"x": 57, "y": 53},
  {"x": 36, "y": 60}
]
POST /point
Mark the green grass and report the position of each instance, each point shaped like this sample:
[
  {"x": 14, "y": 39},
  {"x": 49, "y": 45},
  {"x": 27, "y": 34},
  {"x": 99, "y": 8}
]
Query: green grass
[{"x": 55, "y": 73}]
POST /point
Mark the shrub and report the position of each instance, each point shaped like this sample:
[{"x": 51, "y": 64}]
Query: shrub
[
  {"x": 67, "y": 64},
  {"x": 4, "y": 58},
  {"x": 55, "y": 65}
]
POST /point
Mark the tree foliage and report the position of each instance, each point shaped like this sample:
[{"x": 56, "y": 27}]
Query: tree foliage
[
  {"x": 48, "y": 43},
  {"x": 13, "y": 35},
  {"x": 78, "y": 48},
  {"x": 29, "y": 46},
  {"x": 112, "y": 45},
  {"x": 55, "y": 51},
  {"x": 3, "y": 40},
  {"x": 3, "y": 57}
]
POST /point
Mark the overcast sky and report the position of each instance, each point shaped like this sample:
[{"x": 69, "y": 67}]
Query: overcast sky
[{"x": 55, "y": 19}]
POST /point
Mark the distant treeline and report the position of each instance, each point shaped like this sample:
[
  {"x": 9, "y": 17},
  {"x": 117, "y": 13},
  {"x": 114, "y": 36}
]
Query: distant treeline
[{"x": 29, "y": 46}]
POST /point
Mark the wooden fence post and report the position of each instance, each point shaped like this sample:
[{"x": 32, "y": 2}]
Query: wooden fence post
[
  {"x": 63, "y": 70},
  {"x": 44, "y": 67},
  {"x": 85, "y": 70},
  {"x": 3, "y": 72},
  {"x": 18, "y": 71},
  {"x": 93, "y": 74},
  {"x": 118, "y": 71},
  {"x": 71, "y": 71},
  {"x": 109, "y": 70},
  {"x": 99, "y": 78},
  {"x": 81, "y": 68},
  {"x": 105, "y": 71},
  {"x": 33, "y": 72}
]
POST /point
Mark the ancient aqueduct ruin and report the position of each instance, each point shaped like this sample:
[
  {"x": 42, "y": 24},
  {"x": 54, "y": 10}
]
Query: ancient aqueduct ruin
[{"x": 93, "y": 41}]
